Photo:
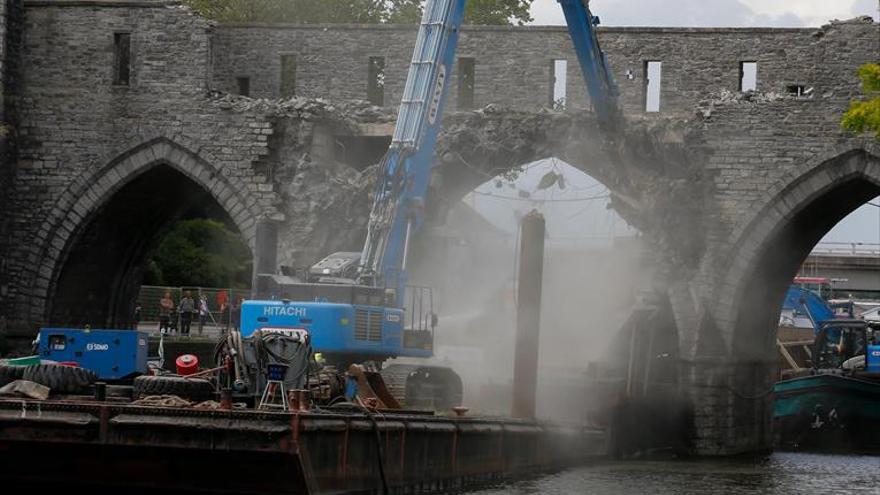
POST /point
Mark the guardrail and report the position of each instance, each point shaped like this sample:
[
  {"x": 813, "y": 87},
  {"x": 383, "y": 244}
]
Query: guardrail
[{"x": 846, "y": 249}]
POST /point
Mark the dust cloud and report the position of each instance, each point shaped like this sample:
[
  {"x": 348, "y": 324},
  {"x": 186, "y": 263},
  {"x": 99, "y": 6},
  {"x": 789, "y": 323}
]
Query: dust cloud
[{"x": 588, "y": 292}]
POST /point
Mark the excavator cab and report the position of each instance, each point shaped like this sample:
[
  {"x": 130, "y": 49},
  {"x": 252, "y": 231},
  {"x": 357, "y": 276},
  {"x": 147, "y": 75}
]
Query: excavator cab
[{"x": 841, "y": 345}]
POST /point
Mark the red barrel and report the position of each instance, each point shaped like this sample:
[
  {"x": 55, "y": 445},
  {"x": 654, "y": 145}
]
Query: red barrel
[{"x": 187, "y": 364}]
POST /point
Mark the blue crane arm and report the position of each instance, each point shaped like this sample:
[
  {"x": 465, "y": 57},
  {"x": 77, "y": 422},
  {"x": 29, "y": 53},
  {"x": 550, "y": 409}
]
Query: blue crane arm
[
  {"x": 818, "y": 310},
  {"x": 593, "y": 62},
  {"x": 399, "y": 202},
  {"x": 807, "y": 303}
]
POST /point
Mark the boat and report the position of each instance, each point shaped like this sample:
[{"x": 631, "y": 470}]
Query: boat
[{"x": 835, "y": 404}]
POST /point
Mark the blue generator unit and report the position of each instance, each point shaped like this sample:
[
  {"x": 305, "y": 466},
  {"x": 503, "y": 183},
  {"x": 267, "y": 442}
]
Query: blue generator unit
[
  {"x": 873, "y": 359},
  {"x": 111, "y": 354}
]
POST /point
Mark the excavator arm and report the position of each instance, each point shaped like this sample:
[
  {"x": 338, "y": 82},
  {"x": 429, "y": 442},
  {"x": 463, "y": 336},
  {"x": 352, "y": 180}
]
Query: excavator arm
[{"x": 399, "y": 201}]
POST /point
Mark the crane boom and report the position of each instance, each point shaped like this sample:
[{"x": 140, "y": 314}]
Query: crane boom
[
  {"x": 602, "y": 91},
  {"x": 399, "y": 202}
]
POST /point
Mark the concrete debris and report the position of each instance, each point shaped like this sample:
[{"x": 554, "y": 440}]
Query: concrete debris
[
  {"x": 706, "y": 107},
  {"x": 25, "y": 388},
  {"x": 308, "y": 109}
]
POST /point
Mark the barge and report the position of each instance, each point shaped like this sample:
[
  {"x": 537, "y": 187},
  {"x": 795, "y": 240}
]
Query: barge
[{"x": 107, "y": 447}]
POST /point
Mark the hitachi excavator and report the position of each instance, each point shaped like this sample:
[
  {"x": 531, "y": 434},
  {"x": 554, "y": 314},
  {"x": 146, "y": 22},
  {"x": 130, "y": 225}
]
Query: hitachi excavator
[{"x": 358, "y": 307}]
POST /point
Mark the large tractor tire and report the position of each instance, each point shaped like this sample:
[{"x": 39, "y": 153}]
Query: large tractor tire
[
  {"x": 9, "y": 374},
  {"x": 60, "y": 379},
  {"x": 193, "y": 389}
]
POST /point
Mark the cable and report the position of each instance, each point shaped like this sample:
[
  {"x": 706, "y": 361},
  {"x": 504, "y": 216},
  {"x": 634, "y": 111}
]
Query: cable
[{"x": 532, "y": 200}]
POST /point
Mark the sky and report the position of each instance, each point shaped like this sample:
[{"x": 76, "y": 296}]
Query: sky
[
  {"x": 577, "y": 213},
  {"x": 723, "y": 13}
]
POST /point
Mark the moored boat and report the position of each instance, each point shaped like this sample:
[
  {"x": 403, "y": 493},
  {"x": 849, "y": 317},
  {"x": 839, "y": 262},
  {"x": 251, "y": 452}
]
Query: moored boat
[{"x": 835, "y": 404}]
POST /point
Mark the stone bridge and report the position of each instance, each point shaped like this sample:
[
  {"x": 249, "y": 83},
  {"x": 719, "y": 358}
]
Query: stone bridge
[{"x": 121, "y": 116}]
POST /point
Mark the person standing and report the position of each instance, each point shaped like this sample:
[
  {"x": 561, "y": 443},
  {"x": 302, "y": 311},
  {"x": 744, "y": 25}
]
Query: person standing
[
  {"x": 203, "y": 312},
  {"x": 222, "y": 301},
  {"x": 166, "y": 306},
  {"x": 186, "y": 308},
  {"x": 138, "y": 310},
  {"x": 234, "y": 312}
]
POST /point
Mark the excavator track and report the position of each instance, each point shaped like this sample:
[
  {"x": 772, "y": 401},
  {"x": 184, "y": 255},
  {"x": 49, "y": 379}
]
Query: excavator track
[
  {"x": 395, "y": 377},
  {"x": 434, "y": 388}
]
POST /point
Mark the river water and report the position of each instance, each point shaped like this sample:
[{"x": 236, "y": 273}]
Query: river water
[{"x": 780, "y": 474}]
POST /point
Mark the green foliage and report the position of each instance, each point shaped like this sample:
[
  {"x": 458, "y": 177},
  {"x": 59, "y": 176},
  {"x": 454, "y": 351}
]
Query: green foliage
[
  {"x": 354, "y": 11},
  {"x": 864, "y": 115},
  {"x": 404, "y": 11},
  {"x": 202, "y": 253},
  {"x": 280, "y": 11},
  {"x": 870, "y": 76},
  {"x": 499, "y": 12}
]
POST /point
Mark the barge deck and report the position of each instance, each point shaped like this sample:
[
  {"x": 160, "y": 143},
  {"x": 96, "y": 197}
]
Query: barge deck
[{"x": 107, "y": 446}]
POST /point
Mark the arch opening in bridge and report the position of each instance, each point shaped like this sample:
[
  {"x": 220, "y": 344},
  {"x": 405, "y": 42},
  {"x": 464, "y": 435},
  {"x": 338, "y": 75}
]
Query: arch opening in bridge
[
  {"x": 592, "y": 258},
  {"x": 99, "y": 282},
  {"x": 774, "y": 248},
  {"x": 97, "y": 241}
]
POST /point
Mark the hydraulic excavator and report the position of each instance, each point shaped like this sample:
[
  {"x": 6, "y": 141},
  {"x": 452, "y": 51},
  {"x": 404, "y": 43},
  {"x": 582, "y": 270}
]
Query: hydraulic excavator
[{"x": 359, "y": 307}]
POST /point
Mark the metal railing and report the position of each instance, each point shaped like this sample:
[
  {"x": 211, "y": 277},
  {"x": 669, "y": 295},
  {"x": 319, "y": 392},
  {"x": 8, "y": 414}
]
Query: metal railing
[
  {"x": 847, "y": 249},
  {"x": 218, "y": 312}
]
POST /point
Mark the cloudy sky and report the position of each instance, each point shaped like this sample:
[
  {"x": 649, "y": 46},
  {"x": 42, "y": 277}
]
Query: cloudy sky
[{"x": 787, "y": 13}]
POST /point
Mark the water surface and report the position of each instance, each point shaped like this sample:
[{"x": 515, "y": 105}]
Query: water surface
[{"x": 780, "y": 474}]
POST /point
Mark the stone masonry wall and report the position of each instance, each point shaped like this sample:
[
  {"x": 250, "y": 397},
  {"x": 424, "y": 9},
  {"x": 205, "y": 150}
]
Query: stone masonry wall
[
  {"x": 5, "y": 167},
  {"x": 10, "y": 29},
  {"x": 75, "y": 124},
  {"x": 781, "y": 172},
  {"x": 512, "y": 64}
]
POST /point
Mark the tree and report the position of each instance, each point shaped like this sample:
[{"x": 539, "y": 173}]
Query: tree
[
  {"x": 280, "y": 11},
  {"x": 498, "y": 12},
  {"x": 864, "y": 115},
  {"x": 355, "y": 11},
  {"x": 200, "y": 253}
]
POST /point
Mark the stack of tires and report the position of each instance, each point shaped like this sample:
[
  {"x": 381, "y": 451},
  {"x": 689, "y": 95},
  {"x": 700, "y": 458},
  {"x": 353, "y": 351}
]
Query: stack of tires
[
  {"x": 59, "y": 378},
  {"x": 70, "y": 380}
]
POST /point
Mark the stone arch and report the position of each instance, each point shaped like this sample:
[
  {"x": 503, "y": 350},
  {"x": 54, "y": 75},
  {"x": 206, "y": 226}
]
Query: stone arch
[
  {"x": 477, "y": 145},
  {"x": 770, "y": 249},
  {"x": 87, "y": 195}
]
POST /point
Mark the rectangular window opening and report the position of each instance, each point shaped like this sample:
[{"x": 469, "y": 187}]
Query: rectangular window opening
[
  {"x": 244, "y": 85},
  {"x": 466, "y": 74},
  {"x": 653, "y": 79},
  {"x": 558, "y": 84},
  {"x": 748, "y": 76},
  {"x": 122, "y": 59},
  {"x": 288, "y": 76},
  {"x": 796, "y": 90},
  {"x": 376, "y": 81}
]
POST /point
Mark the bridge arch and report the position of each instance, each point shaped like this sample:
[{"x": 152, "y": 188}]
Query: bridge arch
[
  {"x": 96, "y": 241},
  {"x": 494, "y": 142},
  {"x": 773, "y": 245}
]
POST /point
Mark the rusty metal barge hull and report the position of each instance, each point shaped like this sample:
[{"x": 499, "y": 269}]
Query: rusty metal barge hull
[{"x": 107, "y": 447}]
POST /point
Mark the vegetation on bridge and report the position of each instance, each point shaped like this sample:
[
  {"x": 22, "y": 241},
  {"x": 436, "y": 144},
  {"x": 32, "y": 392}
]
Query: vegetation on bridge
[
  {"x": 864, "y": 115},
  {"x": 355, "y": 11},
  {"x": 200, "y": 253}
]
